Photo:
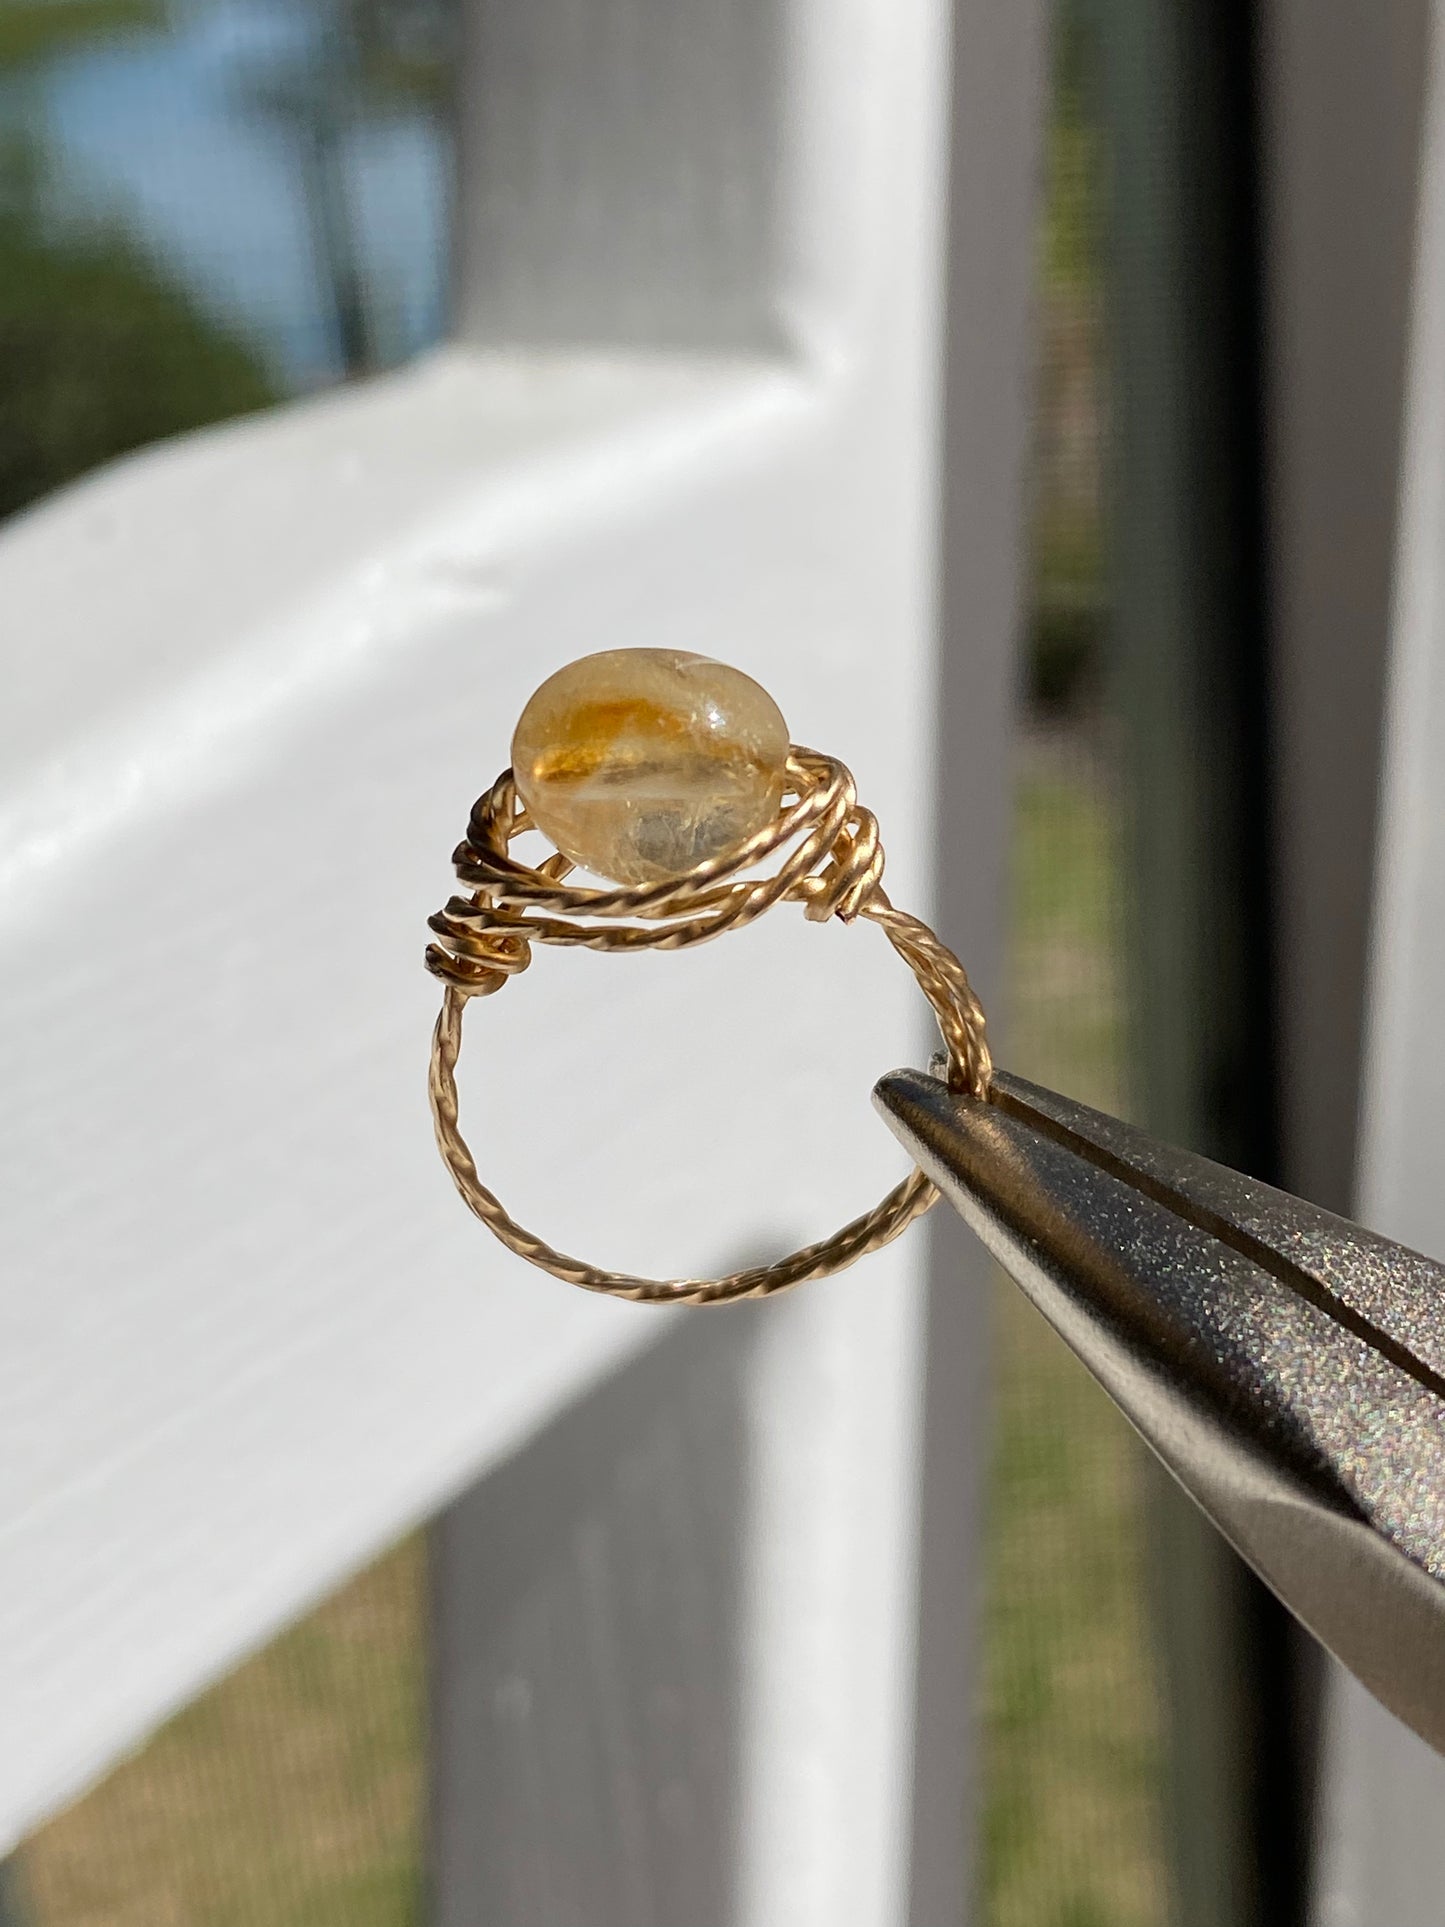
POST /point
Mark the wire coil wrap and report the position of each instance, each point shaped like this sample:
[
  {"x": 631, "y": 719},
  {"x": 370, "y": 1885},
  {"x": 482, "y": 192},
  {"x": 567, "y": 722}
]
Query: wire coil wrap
[{"x": 831, "y": 862}]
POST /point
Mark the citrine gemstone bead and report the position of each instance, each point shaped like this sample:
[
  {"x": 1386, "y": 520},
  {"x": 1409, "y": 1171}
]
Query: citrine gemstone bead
[{"x": 640, "y": 764}]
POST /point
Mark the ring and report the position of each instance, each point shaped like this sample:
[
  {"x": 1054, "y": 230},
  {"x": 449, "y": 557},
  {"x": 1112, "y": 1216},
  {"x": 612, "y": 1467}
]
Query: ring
[{"x": 669, "y": 776}]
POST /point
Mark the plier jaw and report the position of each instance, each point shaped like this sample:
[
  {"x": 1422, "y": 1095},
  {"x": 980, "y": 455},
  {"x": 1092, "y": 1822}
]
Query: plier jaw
[{"x": 1287, "y": 1366}]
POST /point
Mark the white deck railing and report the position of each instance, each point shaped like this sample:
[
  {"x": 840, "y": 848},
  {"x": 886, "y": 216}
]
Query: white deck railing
[{"x": 711, "y": 261}]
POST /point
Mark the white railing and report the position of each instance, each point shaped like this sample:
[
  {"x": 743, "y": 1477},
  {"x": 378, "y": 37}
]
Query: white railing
[
  {"x": 712, "y": 258},
  {"x": 1382, "y": 1788}
]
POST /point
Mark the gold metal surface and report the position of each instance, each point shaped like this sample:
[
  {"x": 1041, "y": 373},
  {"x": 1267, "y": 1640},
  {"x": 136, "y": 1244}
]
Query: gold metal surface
[{"x": 831, "y": 862}]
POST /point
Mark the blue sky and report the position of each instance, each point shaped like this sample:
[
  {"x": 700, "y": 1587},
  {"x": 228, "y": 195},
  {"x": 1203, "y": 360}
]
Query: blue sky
[{"x": 159, "y": 131}]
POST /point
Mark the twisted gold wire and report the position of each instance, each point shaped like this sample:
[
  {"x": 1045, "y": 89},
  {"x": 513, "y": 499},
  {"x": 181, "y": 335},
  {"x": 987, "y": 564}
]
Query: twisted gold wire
[{"x": 831, "y": 863}]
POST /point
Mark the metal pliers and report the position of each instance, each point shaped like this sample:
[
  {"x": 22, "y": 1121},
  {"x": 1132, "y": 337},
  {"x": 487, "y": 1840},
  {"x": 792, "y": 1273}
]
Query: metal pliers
[{"x": 1287, "y": 1366}]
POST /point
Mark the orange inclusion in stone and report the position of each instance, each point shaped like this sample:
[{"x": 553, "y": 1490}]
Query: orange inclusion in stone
[{"x": 641, "y": 764}]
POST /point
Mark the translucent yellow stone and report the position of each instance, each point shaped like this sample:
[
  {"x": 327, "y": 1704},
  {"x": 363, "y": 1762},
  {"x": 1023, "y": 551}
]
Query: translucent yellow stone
[{"x": 640, "y": 764}]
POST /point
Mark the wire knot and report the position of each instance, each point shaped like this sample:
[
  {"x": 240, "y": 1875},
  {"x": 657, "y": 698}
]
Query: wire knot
[
  {"x": 851, "y": 876},
  {"x": 478, "y": 951}
]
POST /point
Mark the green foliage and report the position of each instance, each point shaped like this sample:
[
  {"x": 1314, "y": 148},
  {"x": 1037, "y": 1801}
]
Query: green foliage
[
  {"x": 1074, "y": 211},
  {"x": 32, "y": 31},
  {"x": 100, "y": 353},
  {"x": 1073, "y": 1832},
  {"x": 1068, "y": 620},
  {"x": 404, "y": 49},
  {"x": 100, "y": 350},
  {"x": 367, "y": 58},
  {"x": 291, "y": 1793}
]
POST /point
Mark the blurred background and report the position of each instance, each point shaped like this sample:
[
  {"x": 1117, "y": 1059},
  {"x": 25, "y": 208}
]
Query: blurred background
[{"x": 207, "y": 206}]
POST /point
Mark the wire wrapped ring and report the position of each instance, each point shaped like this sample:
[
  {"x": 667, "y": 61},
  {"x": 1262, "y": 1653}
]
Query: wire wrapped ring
[{"x": 832, "y": 863}]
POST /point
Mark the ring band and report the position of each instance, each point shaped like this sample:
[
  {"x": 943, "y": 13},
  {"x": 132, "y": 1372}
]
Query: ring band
[{"x": 831, "y": 862}]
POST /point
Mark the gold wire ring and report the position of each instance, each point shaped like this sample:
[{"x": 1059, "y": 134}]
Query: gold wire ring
[{"x": 832, "y": 863}]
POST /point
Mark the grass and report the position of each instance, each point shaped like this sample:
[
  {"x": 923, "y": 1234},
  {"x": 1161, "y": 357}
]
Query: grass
[
  {"x": 291, "y": 1795},
  {"x": 32, "y": 31},
  {"x": 288, "y": 1796},
  {"x": 1072, "y": 1833}
]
